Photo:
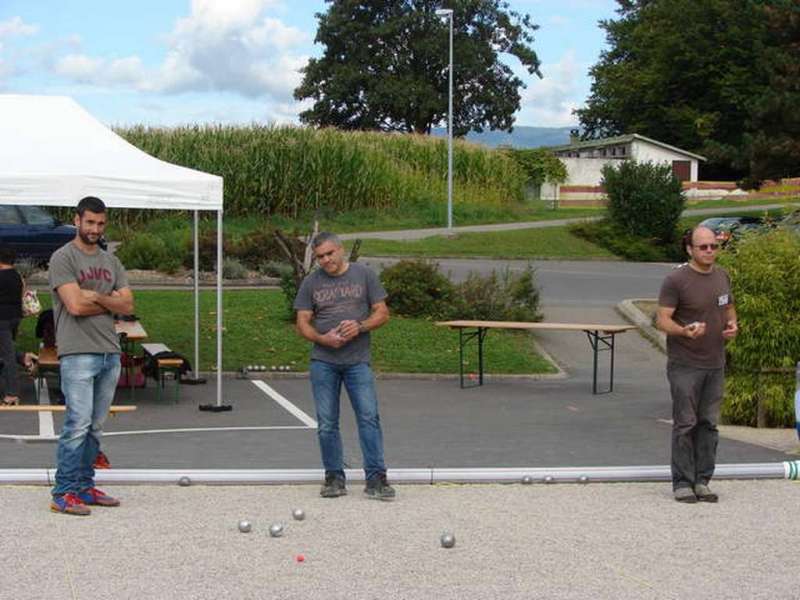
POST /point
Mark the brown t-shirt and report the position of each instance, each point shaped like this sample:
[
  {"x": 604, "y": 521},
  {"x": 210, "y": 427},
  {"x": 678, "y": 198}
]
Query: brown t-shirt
[{"x": 700, "y": 297}]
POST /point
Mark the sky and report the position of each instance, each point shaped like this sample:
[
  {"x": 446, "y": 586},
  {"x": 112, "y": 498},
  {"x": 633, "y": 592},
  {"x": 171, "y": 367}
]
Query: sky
[{"x": 178, "y": 62}]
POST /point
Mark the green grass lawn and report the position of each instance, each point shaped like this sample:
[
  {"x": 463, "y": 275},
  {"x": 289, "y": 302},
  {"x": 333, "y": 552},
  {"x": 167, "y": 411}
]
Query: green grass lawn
[
  {"x": 548, "y": 242},
  {"x": 257, "y": 332}
]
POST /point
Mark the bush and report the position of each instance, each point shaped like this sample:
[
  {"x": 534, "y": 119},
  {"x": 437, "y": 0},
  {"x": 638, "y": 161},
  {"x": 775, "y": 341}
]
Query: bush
[
  {"x": 644, "y": 199},
  {"x": 146, "y": 251},
  {"x": 539, "y": 164},
  {"x": 207, "y": 250},
  {"x": 765, "y": 275},
  {"x": 272, "y": 268},
  {"x": 612, "y": 237},
  {"x": 507, "y": 297},
  {"x": 416, "y": 288},
  {"x": 289, "y": 289},
  {"x": 232, "y": 268},
  {"x": 259, "y": 246}
]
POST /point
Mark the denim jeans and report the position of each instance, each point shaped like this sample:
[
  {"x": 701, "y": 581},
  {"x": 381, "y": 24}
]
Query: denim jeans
[
  {"x": 696, "y": 401},
  {"x": 326, "y": 383},
  {"x": 88, "y": 382}
]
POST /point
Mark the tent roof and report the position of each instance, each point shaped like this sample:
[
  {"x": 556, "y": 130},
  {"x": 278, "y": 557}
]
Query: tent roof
[{"x": 53, "y": 153}]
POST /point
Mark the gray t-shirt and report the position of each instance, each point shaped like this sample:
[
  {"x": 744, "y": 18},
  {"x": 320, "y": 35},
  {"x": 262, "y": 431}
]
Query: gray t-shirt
[
  {"x": 101, "y": 272},
  {"x": 349, "y": 296}
]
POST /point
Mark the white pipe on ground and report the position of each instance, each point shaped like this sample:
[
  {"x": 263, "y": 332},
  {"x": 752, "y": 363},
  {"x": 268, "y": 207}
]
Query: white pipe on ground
[{"x": 784, "y": 470}]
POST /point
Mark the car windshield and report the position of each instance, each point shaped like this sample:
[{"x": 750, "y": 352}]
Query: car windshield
[
  {"x": 35, "y": 215},
  {"x": 9, "y": 215}
]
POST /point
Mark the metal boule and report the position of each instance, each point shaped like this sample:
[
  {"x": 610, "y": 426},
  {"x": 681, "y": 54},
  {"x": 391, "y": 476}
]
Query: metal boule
[
  {"x": 448, "y": 540},
  {"x": 184, "y": 481},
  {"x": 276, "y": 530},
  {"x": 245, "y": 526},
  {"x": 549, "y": 479},
  {"x": 298, "y": 514},
  {"x": 527, "y": 479}
]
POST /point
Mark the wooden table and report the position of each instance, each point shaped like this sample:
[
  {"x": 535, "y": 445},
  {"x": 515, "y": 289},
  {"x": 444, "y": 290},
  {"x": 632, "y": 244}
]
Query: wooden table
[
  {"x": 601, "y": 338},
  {"x": 132, "y": 330}
]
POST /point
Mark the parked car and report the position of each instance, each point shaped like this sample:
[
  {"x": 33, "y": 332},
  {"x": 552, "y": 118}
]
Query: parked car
[
  {"x": 726, "y": 227},
  {"x": 32, "y": 232}
]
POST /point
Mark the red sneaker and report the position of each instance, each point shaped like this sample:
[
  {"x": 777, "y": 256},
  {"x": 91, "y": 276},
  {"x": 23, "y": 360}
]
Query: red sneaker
[
  {"x": 95, "y": 497},
  {"x": 102, "y": 462},
  {"x": 69, "y": 504}
]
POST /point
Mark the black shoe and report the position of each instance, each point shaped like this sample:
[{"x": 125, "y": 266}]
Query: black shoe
[
  {"x": 333, "y": 487},
  {"x": 379, "y": 489}
]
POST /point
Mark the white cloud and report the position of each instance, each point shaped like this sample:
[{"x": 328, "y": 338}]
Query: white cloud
[
  {"x": 15, "y": 26},
  {"x": 229, "y": 47},
  {"x": 549, "y": 102}
]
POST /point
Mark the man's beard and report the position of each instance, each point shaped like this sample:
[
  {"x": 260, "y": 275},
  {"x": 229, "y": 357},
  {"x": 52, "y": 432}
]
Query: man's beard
[{"x": 86, "y": 240}]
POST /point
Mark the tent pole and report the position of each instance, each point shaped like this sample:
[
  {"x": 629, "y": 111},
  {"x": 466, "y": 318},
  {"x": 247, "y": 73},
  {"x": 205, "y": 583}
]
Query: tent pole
[
  {"x": 196, "y": 294},
  {"x": 219, "y": 308},
  {"x": 219, "y": 406}
]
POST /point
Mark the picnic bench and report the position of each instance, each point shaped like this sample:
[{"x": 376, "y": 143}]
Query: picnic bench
[
  {"x": 164, "y": 365},
  {"x": 601, "y": 338}
]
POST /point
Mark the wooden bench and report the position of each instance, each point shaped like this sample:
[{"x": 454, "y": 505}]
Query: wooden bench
[
  {"x": 165, "y": 365},
  {"x": 601, "y": 338}
]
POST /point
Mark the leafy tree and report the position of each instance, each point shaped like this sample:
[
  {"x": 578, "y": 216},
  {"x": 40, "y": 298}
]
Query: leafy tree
[
  {"x": 772, "y": 142},
  {"x": 682, "y": 71},
  {"x": 385, "y": 65}
]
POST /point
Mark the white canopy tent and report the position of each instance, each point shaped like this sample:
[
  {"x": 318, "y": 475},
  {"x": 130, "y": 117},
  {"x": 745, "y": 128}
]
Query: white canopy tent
[{"x": 53, "y": 153}]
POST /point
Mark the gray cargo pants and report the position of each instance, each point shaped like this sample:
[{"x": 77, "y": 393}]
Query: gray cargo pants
[{"x": 696, "y": 400}]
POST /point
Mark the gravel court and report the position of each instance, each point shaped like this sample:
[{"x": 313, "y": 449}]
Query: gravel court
[{"x": 561, "y": 541}]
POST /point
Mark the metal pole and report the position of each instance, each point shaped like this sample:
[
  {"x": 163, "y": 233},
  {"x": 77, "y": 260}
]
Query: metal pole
[
  {"x": 785, "y": 470},
  {"x": 450, "y": 134},
  {"x": 219, "y": 308},
  {"x": 196, "y": 294}
]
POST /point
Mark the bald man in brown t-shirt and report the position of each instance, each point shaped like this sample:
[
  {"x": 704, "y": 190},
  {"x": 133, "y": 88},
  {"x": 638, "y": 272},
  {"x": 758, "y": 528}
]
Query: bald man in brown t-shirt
[{"x": 696, "y": 311}]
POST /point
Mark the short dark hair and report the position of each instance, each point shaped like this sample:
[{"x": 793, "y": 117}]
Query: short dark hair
[
  {"x": 7, "y": 254},
  {"x": 91, "y": 204},
  {"x": 325, "y": 236}
]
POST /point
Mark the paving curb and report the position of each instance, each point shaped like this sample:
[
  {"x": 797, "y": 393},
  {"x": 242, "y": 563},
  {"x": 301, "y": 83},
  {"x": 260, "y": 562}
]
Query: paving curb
[{"x": 631, "y": 312}]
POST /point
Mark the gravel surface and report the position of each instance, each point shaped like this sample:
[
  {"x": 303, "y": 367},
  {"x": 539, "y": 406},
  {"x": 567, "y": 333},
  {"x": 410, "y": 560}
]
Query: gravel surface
[{"x": 512, "y": 541}]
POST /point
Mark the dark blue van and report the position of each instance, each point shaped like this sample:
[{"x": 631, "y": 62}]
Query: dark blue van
[{"x": 32, "y": 232}]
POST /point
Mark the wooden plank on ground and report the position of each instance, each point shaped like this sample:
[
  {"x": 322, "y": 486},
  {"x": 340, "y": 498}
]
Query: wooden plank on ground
[{"x": 58, "y": 408}]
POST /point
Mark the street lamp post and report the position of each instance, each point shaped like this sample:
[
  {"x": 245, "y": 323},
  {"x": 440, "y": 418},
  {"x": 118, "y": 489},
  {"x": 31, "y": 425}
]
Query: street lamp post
[{"x": 448, "y": 13}]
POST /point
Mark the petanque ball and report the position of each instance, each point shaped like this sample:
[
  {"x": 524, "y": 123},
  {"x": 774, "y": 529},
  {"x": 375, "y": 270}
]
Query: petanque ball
[
  {"x": 448, "y": 540},
  {"x": 276, "y": 530},
  {"x": 184, "y": 481},
  {"x": 527, "y": 479},
  {"x": 298, "y": 514},
  {"x": 245, "y": 526}
]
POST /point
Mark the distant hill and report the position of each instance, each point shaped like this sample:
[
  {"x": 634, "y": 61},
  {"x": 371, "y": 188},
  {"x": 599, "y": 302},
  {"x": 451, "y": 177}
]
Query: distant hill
[{"x": 521, "y": 137}]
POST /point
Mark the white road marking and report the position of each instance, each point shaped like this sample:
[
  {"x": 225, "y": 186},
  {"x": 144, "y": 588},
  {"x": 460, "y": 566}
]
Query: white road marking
[
  {"x": 46, "y": 427},
  {"x": 272, "y": 393}
]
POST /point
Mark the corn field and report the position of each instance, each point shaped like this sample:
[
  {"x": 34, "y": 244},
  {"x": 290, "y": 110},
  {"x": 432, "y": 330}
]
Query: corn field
[{"x": 292, "y": 171}]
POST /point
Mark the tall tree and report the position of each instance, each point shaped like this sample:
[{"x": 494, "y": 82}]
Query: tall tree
[
  {"x": 684, "y": 72},
  {"x": 385, "y": 65},
  {"x": 772, "y": 141}
]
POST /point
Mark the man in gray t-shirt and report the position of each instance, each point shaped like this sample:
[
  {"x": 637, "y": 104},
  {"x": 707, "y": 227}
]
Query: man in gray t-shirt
[
  {"x": 696, "y": 311},
  {"x": 337, "y": 306},
  {"x": 89, "y": 287}
]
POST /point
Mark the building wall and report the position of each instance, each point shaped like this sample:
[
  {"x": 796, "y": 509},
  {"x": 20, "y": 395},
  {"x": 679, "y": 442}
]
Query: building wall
[{"x": 643, "y": 152}]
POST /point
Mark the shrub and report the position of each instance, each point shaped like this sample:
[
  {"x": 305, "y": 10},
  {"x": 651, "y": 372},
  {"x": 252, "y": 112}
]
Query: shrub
[
  {"x": 232, "y": 268},
  {"x": 644, "y": 199},
  {"x": 273, "y": 268},
  {"x": 765, "y": 275},
  {"x": 416, "y": 288},
  {"x": 612, "y": 237},
  {"x": 147, "y": 251},
  {"x": 540, "y": 165},
  {"x": 207, "y": 250},
  {"x": 259, "y": 246},
  {"x": 289, "y": 289},
  {"x": 507, "y": 297}
]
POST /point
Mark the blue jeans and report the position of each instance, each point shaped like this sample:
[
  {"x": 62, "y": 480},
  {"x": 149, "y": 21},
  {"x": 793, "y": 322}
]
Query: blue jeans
[
  {"x": 326, "y": 383},
  {"x": 88, "y": 382}
]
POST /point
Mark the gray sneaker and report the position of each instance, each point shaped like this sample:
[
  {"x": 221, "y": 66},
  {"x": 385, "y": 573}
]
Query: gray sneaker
[
  {"x": 333, "y": 487},
  {"x": 379, "y": 489},
  {"x": 704, "y": 494},
  {"x": 686, "y": 495}
]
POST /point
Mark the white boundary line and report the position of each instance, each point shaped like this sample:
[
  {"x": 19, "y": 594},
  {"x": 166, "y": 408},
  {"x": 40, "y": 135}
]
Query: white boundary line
[
  {"x": 46, "y": 427},
  {"x": 272, "y": 393}
]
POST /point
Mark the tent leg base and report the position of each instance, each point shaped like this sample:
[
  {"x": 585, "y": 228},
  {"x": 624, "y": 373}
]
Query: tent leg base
[{"x": 215, "y": 407}]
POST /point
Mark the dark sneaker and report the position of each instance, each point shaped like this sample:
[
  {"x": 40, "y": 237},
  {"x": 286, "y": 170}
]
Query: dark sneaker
[
  {"x": 95, "y": 497},
  {"x": 333, "y": 487},
  {"x": 69, "y": 504},
  {"x": 704, "y": 494},
  {"x": 379, "y": 489},
  {"x": 686, "y": 495}
]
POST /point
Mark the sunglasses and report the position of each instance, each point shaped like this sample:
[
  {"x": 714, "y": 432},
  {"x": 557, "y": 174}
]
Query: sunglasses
[{"x": 705, "y": 247}]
